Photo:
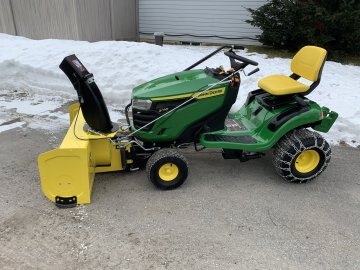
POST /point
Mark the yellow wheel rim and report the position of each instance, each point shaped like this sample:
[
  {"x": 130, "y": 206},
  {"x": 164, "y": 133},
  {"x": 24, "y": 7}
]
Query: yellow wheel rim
[
  {"x": 168, "y": 171},
  {"x": 307, "y": 161}
]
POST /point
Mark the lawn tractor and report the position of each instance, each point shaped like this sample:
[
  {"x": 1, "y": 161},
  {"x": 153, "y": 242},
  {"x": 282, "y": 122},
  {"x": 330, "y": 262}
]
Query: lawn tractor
[{"x": 190, "y": 108}]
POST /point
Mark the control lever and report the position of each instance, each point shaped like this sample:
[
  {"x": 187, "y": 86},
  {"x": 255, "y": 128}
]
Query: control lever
[{"x": 253, "y": 72}]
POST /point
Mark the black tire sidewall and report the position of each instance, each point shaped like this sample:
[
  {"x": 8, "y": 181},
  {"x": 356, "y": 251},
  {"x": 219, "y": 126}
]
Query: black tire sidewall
[{"x": 178, "y": 181}]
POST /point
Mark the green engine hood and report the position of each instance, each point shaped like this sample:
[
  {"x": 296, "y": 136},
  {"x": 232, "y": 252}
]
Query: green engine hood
[{"x": 180, "y": 83}]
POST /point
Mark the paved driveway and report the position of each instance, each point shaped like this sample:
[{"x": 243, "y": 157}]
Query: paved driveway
[{"x": 228, "y": 215}]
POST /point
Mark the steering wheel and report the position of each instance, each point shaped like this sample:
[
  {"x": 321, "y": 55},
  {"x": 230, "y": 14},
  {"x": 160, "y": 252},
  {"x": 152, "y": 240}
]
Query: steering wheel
[{"x": 247, "y": 61}]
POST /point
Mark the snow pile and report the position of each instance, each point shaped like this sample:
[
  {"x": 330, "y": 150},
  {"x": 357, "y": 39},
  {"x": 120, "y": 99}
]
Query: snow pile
[{"x": 31, "y": 67}]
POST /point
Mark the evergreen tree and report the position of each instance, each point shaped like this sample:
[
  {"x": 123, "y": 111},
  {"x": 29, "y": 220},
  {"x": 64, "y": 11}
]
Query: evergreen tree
[{"x": 291, "y": 24}]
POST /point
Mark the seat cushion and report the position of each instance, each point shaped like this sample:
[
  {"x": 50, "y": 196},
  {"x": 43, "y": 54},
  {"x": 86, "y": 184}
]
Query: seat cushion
[{"x": 279, "y": 85}]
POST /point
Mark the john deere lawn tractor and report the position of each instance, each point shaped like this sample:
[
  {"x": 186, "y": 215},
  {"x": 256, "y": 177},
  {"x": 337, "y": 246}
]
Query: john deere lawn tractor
[{"x": 190, "y": 109}]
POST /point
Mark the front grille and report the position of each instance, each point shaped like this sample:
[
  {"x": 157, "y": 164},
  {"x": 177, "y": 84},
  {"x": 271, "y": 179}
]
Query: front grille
[{"x": 142, "y": 118}]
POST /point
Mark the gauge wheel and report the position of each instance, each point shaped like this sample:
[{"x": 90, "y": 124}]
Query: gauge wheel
[
  {"x": 167, "y": 169},
  {"x": 301, "y": 156}
]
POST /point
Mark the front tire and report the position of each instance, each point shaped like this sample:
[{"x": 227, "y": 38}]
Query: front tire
[
  {"x": 301, "y": 156},
  {"x": 167, "y": 169}
]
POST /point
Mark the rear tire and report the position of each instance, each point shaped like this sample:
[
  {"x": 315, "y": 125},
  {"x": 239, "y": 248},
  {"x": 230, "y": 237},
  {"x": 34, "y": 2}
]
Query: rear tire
[
  {"x": 167, "y": 169},
  {"x": 301, "y": 156}
]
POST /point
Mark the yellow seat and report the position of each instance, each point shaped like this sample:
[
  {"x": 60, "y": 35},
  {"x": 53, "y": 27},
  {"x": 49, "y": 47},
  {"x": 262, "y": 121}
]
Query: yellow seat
[
  {"x": 307, "y": 63},
  {"x": 281, "y": 85}
]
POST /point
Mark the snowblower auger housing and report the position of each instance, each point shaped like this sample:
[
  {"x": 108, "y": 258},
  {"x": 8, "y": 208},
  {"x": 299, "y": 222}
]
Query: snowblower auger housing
[
  {"x": 67, "y": 173},
  {"x": 191, "y": 107}
]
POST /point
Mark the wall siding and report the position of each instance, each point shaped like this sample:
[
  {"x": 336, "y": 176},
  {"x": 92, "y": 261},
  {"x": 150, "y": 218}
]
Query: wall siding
[
  {"x": 93, "y": 19},
  {"x": 45, "y": 19},
  {"x": 6, "y": 18},
  {"x": 126, "y": 29},
  {"x": 202, "y": 17},
  {"x": 90, "y": 20}
]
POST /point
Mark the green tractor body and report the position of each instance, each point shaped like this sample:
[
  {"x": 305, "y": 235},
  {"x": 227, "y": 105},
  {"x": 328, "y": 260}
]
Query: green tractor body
[
  {"x": 256, "y": 127},
  {"x": 166, "y": 93},
  {"x": 187, "y": 108}
]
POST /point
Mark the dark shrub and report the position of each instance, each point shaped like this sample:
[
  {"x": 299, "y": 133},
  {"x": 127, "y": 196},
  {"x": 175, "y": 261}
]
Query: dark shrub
[{"x": 332, "y": 24}]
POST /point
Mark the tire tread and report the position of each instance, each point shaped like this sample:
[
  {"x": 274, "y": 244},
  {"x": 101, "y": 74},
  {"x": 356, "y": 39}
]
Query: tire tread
[{"x": 291, "y": 145}]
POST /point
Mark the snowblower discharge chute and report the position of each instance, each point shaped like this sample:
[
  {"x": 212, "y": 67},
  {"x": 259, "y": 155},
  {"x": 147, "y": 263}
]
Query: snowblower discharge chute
[{"x": 191, "y": 108}]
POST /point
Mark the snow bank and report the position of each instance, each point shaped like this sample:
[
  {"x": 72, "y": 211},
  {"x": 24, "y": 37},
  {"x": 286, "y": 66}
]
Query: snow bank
[{"x": 32, "y": 66}]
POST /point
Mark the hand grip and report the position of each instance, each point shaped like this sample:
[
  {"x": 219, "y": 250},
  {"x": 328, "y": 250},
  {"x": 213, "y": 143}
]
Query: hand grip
[{"x": 240, "y": 58}]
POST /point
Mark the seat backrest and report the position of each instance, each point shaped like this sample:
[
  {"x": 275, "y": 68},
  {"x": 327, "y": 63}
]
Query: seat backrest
[{"x": 308, "y": 62}]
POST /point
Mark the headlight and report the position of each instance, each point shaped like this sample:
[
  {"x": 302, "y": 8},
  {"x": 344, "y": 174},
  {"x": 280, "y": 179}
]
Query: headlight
[{"x": 141, "y": 104}]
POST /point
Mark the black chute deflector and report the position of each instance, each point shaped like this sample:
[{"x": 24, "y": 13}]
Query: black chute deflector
[{"x": 91, "y": 101}]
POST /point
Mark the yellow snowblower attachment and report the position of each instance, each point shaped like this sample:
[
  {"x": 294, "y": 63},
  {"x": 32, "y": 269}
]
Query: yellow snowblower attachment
[
  {"x": 67, "y": 173},
  {"x": 93, "y": 144}
]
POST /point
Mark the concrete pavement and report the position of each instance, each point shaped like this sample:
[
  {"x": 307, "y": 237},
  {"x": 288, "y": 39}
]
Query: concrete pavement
[{"x": 227, "y": 215}]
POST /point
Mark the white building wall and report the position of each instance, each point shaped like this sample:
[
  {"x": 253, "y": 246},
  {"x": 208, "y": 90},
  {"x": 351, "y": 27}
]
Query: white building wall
[
  {"x": 222, "y": 18},
  {"x": 90, "y": 20}
]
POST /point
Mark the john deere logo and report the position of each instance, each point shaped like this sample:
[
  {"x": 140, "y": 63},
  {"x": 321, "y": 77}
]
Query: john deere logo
[
  {"x": 212, "y": 93},
  {"x": 163, "y": 110}
]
